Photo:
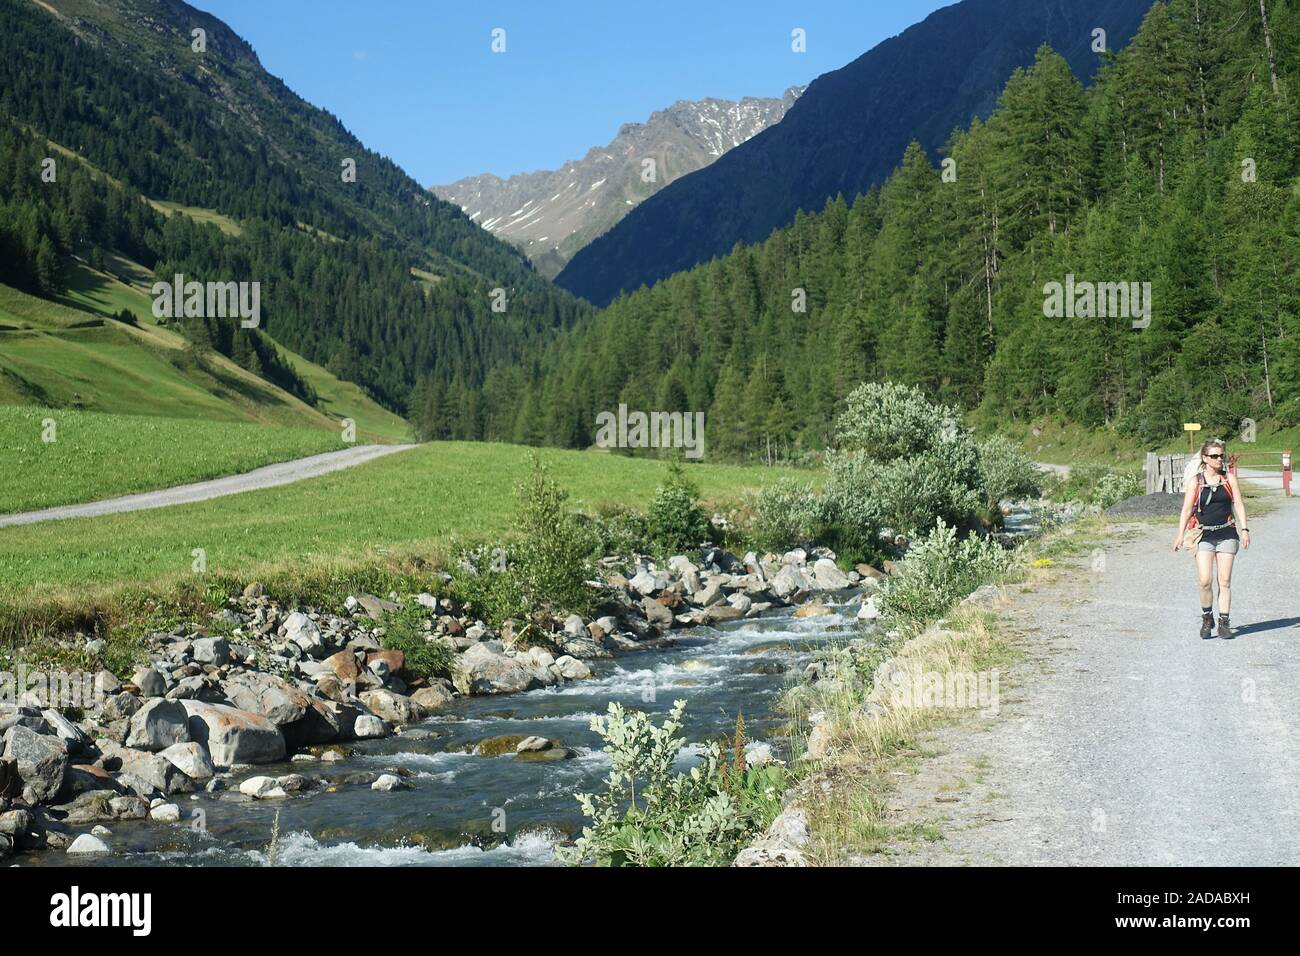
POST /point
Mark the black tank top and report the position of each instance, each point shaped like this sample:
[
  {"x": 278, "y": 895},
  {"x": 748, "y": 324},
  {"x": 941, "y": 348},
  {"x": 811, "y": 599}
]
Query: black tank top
[{"x": 1215, "y": 502}]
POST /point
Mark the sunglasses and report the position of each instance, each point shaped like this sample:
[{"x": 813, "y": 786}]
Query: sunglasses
[{"x": 1214, "y": 456}]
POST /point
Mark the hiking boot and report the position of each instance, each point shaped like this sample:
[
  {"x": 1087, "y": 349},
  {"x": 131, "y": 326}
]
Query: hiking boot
[
  {"x": 1225, "y": 629},
  {"x": 1207, "y": 625}
]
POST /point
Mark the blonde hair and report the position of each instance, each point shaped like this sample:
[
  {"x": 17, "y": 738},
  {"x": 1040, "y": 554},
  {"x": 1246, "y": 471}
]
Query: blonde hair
[{"x": 1206, "y": 446}]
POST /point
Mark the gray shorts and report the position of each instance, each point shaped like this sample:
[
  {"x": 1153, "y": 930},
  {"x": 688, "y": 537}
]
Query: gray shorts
[{"x": 1220, "y": 543}]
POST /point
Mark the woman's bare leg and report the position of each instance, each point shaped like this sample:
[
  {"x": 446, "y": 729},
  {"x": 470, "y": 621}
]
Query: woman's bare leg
[
  {"x": 1205, "y": 576},
  {"x": 1225, "y": 582}
]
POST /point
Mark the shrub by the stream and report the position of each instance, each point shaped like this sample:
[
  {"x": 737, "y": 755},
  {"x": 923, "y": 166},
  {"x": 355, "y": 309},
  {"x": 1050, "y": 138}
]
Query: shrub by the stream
[
  {"x": 544, "y": 572},
  {"x": 1007, "y": 472},
  {"x": 621, "y": 532},
  {"x": 675, "y": 519},
  {"x": 901, "y": 462},
  {"x": 650, "y": 815},
  {"x": 1095, "y": 484},
  {"x": 785, "y": 514},
  {"x": 405, "y": 630},
  {"x": 938, "y": 571}
]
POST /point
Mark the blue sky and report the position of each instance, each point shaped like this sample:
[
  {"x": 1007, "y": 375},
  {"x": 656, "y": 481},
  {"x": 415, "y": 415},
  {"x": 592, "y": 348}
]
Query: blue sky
[{"x": 416, "y": 79}]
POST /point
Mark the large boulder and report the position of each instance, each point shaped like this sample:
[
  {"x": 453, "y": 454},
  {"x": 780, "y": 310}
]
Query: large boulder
[
  {"x": 150, "y": 682},
  {"x": 828, "y": 576},
  {"x": 157, "y": 725},
  {"x": 393, "y": 707},
  {"x": 657, "y": 614},
  {"x": 788, "y": 581},
  {"x": 42, "y": 762},
  {"x": 143, "y": 773},
  {"x": 301, "y": 717},
  {"x": 486, "y": 670},
  {"x": 434, "y": 697},
  {"x": 191, "y": 759},
  {"x": 234, "y": 736}
]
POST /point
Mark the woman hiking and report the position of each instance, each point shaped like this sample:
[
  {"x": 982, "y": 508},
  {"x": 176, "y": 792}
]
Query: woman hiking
[{"x": 1214, "y": 507}]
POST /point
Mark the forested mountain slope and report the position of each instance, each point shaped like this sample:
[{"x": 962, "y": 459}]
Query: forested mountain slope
[
  {"x": 1178, "y": 169},
  {"x": 846, "y": 132},
  {"x": 122, "y": 87}
]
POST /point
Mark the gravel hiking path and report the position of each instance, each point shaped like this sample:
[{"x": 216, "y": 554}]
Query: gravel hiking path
[
  {"x": 268, "y": 476},
  {"x": 1122, "y": 738}
]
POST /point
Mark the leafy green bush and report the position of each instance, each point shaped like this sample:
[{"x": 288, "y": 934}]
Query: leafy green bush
[
  {"x": 902, "y": 462},
  {"x": 544, "y": 573},
  {"x": 675, "y": 519},
  {"x": 1095, "y": 484},
  {"x": 621, "y": 532},
  {"x": 785, "y": 514},
  {"x": 1116, "y": 486},
  {"x": 650, "y": 816},
  {"x": 1007, "y": 472},
  {"x": 404, "y": 631},
  {"x": 938, "y": 571}
]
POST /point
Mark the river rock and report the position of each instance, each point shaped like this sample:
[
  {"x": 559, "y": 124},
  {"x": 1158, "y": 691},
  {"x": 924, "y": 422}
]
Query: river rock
[
  {"x": 571, "y": 668},
  {"x": 191, "y": 759},
  {"x": 42, "y": 762},
  {"x": 73, "y": 736},
  {"x": 828, "y": 576},
  {"x": 532, "y": 744},
  {"x": 165, "y": 813},
  {"x": 302, "y": 631},
  {"x": 869, "y": 611},
  {"x": 366, "y": 727},
  {"x": 433, "y": 698},
  {"x": 88, "y": 845},
  {"x": 485, "y": 670},
  {"x": 150, "y": 682},
  {"x": 392, "y": 707},
  {"x": 234, "y": 736},
  {"x": 657, "y": 614},
  {"x": 212, "y": 650},
  {"x": 388, "y": 782},
  {"x": 345, "y": 667},
  {"x": 647, "y": 582},
  {"x": 262, "y": 788},
  {"x": 143, "y": 773},
  {"x": 107, "y": 684},
  {"x": 157, "y": 725},
  {"x": 787, "y": 581},
  {"x": 302, "y": 718},
  {"x": 816, "y": 609},
  {"x": 119, "y": 707}
]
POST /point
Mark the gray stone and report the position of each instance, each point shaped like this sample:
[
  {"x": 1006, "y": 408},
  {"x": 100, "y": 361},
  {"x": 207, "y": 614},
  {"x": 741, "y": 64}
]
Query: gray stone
[
  {"x": 657, "y": 614},
  {"x": 388, "y": 782},
  {"x": 572, "y": 669},
  {"x": 191, "y": 759},
  {"x": 76, "y": 739},
  {"x": 166, "y": 813},
  {"x": 150, "y": 682},
  {"x": 120, "y": 707},
  {"x": 88, "y": 845},
  {"x": 434, "y": 697},
  {"x": 212, "y": 650},
  {"x": 367, "y": 727},
  {"x": 303, "y": 632},
  {"x": 484, "y": 670},
  {"x": 42, "y": 762},
  {"x": 392, "y": 707},
  {"x": 262, "y": 788},
  {"x": 234, "y": 736},
  {"x": 533, "y": 744},
  {"x": 157, "y": 725},
  {"x": 828, "y": 577}
]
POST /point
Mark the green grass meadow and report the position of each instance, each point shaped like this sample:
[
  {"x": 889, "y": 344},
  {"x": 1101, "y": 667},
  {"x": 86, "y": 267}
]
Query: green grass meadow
[
  {"x": 399, "y": 511},
  {"x": 95, "y": 456}
]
